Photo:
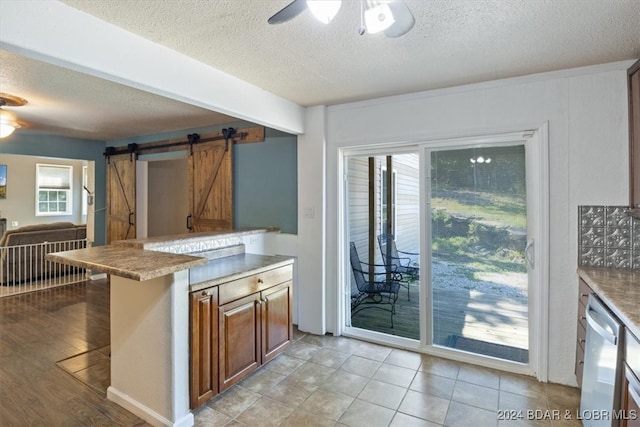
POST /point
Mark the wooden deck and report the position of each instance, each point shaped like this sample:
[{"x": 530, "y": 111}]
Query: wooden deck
[{"x": 484, "y": 317}]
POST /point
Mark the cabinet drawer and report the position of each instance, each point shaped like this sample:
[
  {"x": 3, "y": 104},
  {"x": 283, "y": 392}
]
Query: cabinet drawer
[
  {"x": 632, "y": 353},
  {"x": 231, "y": 291},
  {"x": 583, "y": 292}
]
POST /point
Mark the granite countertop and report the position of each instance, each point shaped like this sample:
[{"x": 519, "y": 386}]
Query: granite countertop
[
  {"x": 223, "y": 270},
  {"x": 619, "y": 289},
  {"x": 135, "y": 264}
]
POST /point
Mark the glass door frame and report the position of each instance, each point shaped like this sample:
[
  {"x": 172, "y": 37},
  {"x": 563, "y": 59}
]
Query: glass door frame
[
  {"x": 538, "y": 311},
  {"x": 537, "y": 163}
]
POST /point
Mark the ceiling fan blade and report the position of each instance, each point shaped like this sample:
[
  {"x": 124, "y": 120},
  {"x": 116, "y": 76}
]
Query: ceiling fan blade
[
  {"x": 290, "y": 11},
  {"x": 404, "y": 20}
]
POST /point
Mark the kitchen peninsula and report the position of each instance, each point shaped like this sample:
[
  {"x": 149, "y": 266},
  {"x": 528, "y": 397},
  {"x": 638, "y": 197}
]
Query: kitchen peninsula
[{"x": 190, "y": 316}]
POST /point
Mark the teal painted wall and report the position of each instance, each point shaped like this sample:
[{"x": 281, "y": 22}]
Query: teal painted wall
[
  {"x": 265, "y": 184},
  {"x": 67, "y": 148}
]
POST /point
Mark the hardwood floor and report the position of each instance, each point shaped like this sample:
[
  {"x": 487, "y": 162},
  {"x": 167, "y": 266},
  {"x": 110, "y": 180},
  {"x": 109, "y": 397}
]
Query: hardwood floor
[{"x": 36, "y": 331}]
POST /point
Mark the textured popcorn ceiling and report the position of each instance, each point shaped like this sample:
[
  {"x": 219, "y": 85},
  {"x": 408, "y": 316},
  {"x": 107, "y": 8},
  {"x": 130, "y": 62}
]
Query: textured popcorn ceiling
[{"x": 453, "y": 42}]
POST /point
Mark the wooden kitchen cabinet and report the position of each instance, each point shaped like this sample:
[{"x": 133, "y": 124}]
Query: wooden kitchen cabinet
[
  {"x": 236, "y": 327},
  {"x": 630, "y": 395},
  {"x": 583, "y": 297},
  {"x": 203, "y": 381},
  {"x": 256, "y": 328},
  {"x": 239, "y": 340},
  {"x": 634, "y": 138},
  {"x": 277, "y": 327}
]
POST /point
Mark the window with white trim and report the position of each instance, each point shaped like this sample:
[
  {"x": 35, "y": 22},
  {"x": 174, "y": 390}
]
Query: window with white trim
[{"x": 53, "y": 189}]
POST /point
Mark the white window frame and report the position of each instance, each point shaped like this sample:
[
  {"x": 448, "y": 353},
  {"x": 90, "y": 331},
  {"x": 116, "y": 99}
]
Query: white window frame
[{"x": 40, "y": 186}]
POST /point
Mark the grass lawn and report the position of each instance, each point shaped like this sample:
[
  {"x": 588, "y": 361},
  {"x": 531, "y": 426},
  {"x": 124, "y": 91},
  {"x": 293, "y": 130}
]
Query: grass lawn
[
  {"x": 507, "y": 211},
  {"x": 485, "y": 254}
]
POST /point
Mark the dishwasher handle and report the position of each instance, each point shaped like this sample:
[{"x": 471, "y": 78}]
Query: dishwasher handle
[{"x": 600, "y": 326}]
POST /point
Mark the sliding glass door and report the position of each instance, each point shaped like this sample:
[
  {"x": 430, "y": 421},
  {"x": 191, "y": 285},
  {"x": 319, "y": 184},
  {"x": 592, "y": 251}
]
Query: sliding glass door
[
  {"x": 383, "y": 209},
  {"x": 478, "y": 223},
  {"x": 440, "y": 246}
]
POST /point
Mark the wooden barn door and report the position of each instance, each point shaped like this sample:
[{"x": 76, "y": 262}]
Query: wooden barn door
[
  {"x": 211, "y": 187},
  {"x": 121, "y": 197}
]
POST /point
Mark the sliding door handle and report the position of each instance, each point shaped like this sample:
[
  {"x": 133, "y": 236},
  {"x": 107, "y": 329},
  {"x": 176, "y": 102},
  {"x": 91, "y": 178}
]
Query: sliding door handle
[{"x": 530, "y": 254}]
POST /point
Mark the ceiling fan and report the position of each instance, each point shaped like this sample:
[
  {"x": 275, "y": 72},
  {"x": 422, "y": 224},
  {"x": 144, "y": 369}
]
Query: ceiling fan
[{"x": 391, "y": 16}]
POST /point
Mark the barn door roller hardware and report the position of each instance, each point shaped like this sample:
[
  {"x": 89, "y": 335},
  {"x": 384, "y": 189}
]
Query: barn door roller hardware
[{"x": 227, "y": 134}]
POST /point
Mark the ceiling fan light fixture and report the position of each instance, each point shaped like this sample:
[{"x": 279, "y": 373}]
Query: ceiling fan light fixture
[
  {"x": 377, "y": 17},
  {"x": 6, "y": 129},
  {"x": 324, "y": 10},
  {"x": 8, "y": 121}
]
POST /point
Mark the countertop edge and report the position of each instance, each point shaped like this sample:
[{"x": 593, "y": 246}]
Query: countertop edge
[
  {"x": 587, "y": 274},
  {"x": 185, "y": 262}
]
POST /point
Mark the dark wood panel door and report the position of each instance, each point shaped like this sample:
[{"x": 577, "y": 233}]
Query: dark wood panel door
[
  {"x": 121, "y": 197},
  {"x": 277, "y": 328},
  {"x": 203, "y": 340},
  {"x": 239, "y": 338},
  {"x": 211, "y": 187},
  {"x": 630, "y": 402}
]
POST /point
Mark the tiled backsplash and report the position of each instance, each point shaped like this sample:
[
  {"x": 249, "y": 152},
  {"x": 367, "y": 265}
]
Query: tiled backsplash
[{"x": 608, "y": 237}]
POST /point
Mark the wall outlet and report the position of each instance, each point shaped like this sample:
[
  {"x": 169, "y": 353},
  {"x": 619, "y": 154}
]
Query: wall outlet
[{"x": 14, "y": 223}]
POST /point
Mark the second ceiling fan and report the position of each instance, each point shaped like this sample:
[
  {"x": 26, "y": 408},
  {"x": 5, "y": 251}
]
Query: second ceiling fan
[{"x": 393, "y": 17}]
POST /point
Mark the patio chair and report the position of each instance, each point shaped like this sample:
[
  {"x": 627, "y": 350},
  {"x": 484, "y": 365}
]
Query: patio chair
[
  {"x": 398, "y": 263},
  {"x": 373, "y": 292}
]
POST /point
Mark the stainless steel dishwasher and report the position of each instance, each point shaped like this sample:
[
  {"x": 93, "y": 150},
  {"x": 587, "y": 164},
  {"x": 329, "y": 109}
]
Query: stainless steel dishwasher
[{"x": 600, "y": 398}]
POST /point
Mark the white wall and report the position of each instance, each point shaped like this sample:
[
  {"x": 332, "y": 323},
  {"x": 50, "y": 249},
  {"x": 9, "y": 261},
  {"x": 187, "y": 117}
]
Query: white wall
[
  {"x": 311, "y": 224},
  {"x": 588, "y": 149}
]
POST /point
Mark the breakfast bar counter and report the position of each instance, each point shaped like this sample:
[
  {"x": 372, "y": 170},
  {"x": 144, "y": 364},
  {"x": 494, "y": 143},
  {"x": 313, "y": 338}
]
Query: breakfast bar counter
[
  {"x": 127, "y": 262},
  {"x": 150, "y": 312}
]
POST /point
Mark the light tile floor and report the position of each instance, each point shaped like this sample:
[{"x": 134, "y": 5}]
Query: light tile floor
[{"x": 338, "y": 381}]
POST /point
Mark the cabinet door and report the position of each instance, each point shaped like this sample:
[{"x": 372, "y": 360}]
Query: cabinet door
[
  {"x": 630, "y": 403},
  {"x": 276, "y": 320},
  {"x": 239, "y": 338},
  {"x": 203, "y": 379}
]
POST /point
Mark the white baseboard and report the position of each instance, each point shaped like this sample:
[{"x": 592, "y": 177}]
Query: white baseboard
[{"x": 146, "y": 413}]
